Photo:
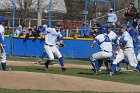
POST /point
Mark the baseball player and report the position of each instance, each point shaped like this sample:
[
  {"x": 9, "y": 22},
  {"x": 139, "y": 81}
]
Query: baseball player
[
  {"x": 112, "y": 35},
  {"x": 105, "y": 41},
  {"x": 59, "y": 44},
  {"x": 2, "y": 45},
  {"x": 125, "y": 41},
  {"x": 51, "y": 35},
  {"x": 133, "y": 35}
]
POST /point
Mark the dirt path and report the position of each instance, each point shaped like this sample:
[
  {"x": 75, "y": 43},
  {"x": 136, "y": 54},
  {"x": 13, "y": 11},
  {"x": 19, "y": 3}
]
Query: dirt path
[
  {"x": 16, "y": 63},
  {"x": 46, "y": 81}
]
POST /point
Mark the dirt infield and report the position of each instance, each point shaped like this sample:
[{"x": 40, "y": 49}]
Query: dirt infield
[
  {"x": 16, "y": 63},
  {"x": 46, "y": 81}
]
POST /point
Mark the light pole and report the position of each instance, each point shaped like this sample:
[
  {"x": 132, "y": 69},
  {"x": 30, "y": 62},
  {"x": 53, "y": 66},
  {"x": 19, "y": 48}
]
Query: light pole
[
  {"x": 85, "y": 10},
  {"x": 13, "y": 17},
  {"x": 115, "y": 6},
  {"x": 39, "y": 21},
  {"x": 49, "y": 13}
]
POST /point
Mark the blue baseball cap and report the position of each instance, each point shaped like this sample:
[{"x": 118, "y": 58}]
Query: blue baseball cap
[
  {"x": 103, "y": 29},
  {"x": 129, "y": 25},
  {"x": 58, "y": 24},
  {"x": 123, "y": 26},
  {"x": 2, "y": 19}
]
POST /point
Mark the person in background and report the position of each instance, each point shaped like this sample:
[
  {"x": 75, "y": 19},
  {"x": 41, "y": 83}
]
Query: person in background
[
  {"x": 138, "y": 32},
  {"x": 111, "y": 18},
  {"x": 85, "y": 30},
  {"x": 138, "y": 13},
  {"x": 63, "y": 32},
  {"x": 18, "y": 31},
  {"x": 25, "y": 31},
  {"x": 118, "y": 24},
  {"x": 130, "y": 13},
  {"x": 138, "y": 24}
]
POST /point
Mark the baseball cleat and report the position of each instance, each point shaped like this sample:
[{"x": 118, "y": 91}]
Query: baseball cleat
[
  {"x": 39, "y": 61},
  {"x": 111, "y": 74},
  {"x": 64, "y": 69},
  {"x": 127, "y": 67},
  {"x": 96, "y": 72},
  {"x": 46, "y": 66}
]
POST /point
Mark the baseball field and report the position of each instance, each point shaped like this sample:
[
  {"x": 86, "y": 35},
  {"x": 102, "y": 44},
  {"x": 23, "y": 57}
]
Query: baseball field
[{"x": 25, "y": 75}]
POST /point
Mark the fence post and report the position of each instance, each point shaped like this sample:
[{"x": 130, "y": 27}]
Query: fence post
[{"x": 67, "y": 33}]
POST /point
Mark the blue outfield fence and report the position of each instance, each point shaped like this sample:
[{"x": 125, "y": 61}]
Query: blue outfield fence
[{"x": 34, "y": 47}]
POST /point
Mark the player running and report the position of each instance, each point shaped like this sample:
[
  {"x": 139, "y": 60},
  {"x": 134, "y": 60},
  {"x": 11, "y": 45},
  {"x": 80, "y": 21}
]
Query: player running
[
  {"x": 125, "y": 49},
  {"x": 51, "y": 35}
]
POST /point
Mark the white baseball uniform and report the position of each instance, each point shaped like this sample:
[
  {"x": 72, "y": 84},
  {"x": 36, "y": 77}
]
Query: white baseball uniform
[
  {"x": 3, "y": 54},
  {"x": 50, "y": 43},
  {"x": 138, "y": 57},
  {"x": 127, "y": 51},
  {"x": 105, "y": 41}
]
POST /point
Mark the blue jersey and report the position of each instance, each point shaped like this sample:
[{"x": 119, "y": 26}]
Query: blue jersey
[
  {"x": 85, "y": 31},
  {"x": 133, "y": 34}
]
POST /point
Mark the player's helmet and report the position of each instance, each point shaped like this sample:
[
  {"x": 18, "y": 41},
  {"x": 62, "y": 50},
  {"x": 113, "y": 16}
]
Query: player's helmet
[
  {"x": 124, "y": 26},
  {"x": 58, "y": 24},
  {"x": 103, "y": 29}
]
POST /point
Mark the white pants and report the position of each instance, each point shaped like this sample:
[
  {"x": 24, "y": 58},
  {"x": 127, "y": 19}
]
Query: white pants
[
  {"x": 50, "y": 50},
  {"x": 138, "y": 57},
  {"x": 100, "y": 55},
  {"x": 129, "y": 54}
]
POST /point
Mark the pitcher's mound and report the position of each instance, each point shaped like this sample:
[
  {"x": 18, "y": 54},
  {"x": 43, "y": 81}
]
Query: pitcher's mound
[{"x": 46, "y": 81}]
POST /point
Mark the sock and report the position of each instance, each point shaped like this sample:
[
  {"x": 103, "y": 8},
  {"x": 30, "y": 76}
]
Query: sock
[
  {"x": 3, "y": 66},
  {"x": 125, "y": 61},
  {"x": 61, "y": 62},
  {"x": 96, "y": 65},
  {"x": 118, "y": 65},
  {"x": 114, "y": 68},
  {"x": 92, "y": 63},
  {"x": 138, "y": 67},
  {"x": 100, "y": 62},
  {"x": 106, "y": 64}
]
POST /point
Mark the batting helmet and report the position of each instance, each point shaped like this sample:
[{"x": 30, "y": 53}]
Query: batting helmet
[{"x": 103, "y": 29}]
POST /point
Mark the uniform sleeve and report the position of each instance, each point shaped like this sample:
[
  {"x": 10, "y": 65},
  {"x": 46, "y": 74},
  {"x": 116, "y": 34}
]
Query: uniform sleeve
[
  {"x": 97, "y": 38},
  {"x": 49, "y": 30},
  {"x": 127, "y": 37}
]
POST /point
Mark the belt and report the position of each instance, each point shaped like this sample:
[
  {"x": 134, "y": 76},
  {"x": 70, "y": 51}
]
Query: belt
[
  {"x": 49, "y": 45},
  {"x": 128, "y": 47},
  {"x": 106, "y": 51}
]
